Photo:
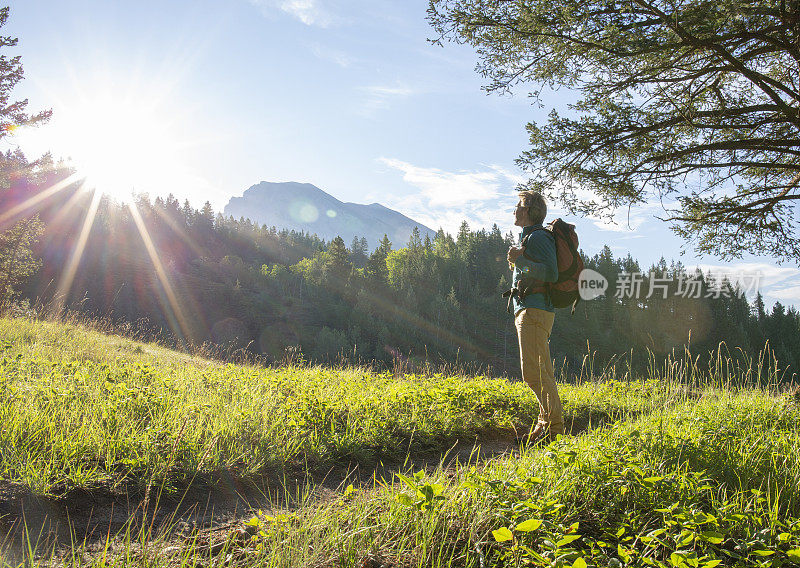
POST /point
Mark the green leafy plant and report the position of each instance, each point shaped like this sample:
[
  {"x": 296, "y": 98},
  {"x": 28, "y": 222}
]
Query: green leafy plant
[{"x": 424, "y": 496}]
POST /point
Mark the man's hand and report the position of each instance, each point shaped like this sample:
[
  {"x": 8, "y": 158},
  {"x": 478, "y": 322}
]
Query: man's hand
[{"x": 514, "y": 253}]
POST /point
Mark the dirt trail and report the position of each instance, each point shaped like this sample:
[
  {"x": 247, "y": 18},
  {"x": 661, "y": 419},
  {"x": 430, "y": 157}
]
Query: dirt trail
[
  {"x": 209, "y": 506},
  {"x": 90, "y": 516}
]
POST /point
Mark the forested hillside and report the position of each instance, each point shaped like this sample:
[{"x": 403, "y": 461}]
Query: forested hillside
[{"x": 198, "y": 276}]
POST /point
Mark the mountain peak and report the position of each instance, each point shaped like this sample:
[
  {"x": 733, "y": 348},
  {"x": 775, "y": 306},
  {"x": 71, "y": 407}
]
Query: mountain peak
[{"x": 305, "y": 207}]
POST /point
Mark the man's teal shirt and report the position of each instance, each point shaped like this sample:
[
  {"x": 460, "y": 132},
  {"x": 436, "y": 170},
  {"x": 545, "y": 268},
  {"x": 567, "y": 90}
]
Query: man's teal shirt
[{"x": 539, "y": 260}]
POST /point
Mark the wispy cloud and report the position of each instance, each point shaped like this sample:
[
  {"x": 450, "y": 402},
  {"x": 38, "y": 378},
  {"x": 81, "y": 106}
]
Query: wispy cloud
[
  {"x": 310, "y": 12},
  {"x": 381, "y": 97},
  {"x": 455, "y": 194},
  {"x": 484, "y": 197},
  {"x": 623, "y": 220},
  {"x": 776, "y": 283},
  {"x": 445, "y": 199},
  {"x": 441, "y": 188},
  {"x": 788, "y": 295},
  {"x": 769, "y": 274},
  {"x": 336, "y": 56}
]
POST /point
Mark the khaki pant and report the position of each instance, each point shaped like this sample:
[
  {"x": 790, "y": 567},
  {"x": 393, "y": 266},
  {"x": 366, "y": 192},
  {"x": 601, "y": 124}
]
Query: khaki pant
[{"x": 533, "y": 330}]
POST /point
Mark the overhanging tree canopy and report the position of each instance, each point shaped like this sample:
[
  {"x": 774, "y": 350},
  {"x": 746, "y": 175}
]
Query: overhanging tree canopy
[{"x": 695, "y": 103}]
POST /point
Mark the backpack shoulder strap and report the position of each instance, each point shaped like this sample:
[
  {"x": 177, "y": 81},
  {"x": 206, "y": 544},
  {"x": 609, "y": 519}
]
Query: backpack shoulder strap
[{"x": 524, "y": 241}]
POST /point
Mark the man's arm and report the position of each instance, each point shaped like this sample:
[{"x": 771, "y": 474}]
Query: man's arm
[{"x": 538, "y": 259}]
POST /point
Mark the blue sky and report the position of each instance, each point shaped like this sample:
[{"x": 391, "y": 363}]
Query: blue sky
[{"x": 349, "y": 96}]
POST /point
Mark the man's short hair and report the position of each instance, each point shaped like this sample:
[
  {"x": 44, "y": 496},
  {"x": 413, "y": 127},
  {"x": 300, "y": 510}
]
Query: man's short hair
[{"x": 537, "y": 207}]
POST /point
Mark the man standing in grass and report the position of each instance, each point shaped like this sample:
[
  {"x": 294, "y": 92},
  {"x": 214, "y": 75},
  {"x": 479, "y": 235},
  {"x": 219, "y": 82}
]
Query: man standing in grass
[{"x": 535, "y": 257}]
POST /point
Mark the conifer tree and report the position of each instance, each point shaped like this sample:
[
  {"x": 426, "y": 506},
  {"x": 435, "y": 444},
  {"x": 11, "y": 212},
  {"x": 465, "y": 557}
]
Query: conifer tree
[
  {"x": 337, "y": 262},
  {"x": 377, "y": 272},
  {"x": 415, "y": 241},
  {"x": 358, "y": 251},
  {"x": 17, "y": 259},
  {"x": 13, "y": 113}
]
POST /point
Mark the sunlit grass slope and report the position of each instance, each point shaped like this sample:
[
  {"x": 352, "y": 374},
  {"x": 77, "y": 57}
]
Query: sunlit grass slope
[
  {"x": 707, "y": 482},
  {"x": 79, "y": 408},
  {"x": 690, "y": 467}
]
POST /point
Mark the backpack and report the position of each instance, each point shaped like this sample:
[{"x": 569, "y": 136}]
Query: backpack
[{"x": 564, "y": 291}]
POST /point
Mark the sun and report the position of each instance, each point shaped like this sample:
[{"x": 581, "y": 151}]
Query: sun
[{"x": 122, "y": 146}]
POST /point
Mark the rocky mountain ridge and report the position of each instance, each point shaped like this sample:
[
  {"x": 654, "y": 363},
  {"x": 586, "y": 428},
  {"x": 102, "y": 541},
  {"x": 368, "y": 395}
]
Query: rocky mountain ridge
[{"x": 305, "y": 207}]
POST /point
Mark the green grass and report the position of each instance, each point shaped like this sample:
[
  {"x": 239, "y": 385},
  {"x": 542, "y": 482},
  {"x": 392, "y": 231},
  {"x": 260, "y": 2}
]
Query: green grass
[
  {"x": 82, "y": 408},
  {"x": 702, "y": 484},
  {"x": 687, "y": 467}
]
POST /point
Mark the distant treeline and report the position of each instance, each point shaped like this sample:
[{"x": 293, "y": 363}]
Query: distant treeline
[{"x": 200, "y": 276}]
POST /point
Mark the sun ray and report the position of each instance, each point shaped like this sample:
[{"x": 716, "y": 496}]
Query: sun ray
[
  {"x": 67, "y": 277},
  {"x": 179, "y": 232},
  {"x": 173, "y": 225},
  {"x": 420, "y": 323},
  {"x": 174, "y": 314},
  {"x": 65, "y": 210},
  {"x": 39, "y": 197}
]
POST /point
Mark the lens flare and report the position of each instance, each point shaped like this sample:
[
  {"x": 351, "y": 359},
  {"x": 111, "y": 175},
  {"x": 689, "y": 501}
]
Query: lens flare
[{"x": 303, "y": 212}]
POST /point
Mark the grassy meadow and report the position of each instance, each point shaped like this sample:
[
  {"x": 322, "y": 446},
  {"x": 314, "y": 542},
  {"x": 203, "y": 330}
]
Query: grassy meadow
[{"x": 682, "y": 467}]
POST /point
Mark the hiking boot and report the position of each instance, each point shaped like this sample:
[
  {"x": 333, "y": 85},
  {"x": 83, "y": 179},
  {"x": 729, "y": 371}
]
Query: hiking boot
[{"x": 538, "y": 436}]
